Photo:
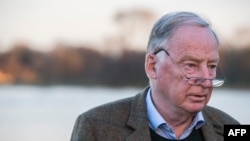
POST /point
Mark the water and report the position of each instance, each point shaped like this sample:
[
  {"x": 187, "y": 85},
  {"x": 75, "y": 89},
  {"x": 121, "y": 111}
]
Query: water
[{"x": 29, "y": 113}]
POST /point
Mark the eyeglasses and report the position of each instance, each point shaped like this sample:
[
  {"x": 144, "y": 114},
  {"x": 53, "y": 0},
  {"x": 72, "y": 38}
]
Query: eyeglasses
[{"x": 196, "y": 80}]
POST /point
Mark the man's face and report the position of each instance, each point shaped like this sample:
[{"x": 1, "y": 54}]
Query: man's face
[{"x": 194, "y": 53}]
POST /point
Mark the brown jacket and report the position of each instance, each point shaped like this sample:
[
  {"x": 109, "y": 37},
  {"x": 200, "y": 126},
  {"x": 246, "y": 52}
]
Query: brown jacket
[{"x": 126, "y": 120}]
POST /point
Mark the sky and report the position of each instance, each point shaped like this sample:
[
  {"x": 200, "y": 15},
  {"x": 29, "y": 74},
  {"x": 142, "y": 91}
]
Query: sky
[{"x": 42, "y": 23}]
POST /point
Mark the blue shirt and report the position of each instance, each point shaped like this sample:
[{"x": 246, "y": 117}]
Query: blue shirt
[{"x": 161, "y": 127}]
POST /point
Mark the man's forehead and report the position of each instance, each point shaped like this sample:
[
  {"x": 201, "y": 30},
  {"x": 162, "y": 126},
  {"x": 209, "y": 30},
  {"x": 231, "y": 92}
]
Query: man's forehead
[
  {"x": 199, "y": 58},
  {"x": 201, "y": 42},
  {"x": 192, "y": 34}
]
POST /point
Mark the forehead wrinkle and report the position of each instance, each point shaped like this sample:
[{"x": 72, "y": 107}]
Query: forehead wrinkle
[
  {"x": 197, "y": 59},
  {"x": 190, "y": 58}
]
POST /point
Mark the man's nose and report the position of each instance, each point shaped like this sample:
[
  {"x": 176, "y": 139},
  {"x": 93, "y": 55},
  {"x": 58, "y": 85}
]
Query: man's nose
[{"x": 206, "y": 73}]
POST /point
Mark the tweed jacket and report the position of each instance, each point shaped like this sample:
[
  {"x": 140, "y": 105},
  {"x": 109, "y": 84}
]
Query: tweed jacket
[{"x": 126, "y": 120}]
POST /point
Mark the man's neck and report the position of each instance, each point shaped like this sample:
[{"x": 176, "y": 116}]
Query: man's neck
[{"x": 179, "y": 120}]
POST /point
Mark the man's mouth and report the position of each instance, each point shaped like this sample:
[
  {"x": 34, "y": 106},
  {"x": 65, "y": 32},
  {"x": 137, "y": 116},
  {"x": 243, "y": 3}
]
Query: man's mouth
[{"x": 197, "y": 98}]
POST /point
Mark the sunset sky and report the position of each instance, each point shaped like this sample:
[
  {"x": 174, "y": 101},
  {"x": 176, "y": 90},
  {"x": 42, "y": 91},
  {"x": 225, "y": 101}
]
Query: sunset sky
[{"x": 44, "y": 22}]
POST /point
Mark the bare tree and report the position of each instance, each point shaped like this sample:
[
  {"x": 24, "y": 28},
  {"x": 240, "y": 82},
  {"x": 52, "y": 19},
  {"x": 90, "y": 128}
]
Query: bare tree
[{"x": 134, "y": 27}]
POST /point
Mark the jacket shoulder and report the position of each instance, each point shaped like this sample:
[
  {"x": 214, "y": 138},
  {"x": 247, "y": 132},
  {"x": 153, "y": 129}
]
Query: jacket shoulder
[
  {"x": 218, "y": 116},
  {"x": 116, "y": 112},
  {"x": 97, "y": 123}
]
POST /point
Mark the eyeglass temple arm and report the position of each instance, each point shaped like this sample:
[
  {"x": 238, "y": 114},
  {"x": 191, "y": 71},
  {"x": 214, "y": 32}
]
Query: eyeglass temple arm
[
  {"x": 223, "y": 76},
  {"x": 161, "y": 49}
]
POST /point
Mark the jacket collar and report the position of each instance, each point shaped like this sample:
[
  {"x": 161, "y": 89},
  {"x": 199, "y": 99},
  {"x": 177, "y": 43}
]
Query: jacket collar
[{"x": 138, "y": 120}]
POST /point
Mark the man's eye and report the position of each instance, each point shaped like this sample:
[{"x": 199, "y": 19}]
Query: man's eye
[
  {"x": 190, "y": 65},
  {"x": 190, "y": 68},
  {"x": 213, "y": 67}
]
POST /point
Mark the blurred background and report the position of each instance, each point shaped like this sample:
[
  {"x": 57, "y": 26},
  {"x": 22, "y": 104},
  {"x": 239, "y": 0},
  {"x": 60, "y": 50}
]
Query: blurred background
[{"x": 59, "y": 58}]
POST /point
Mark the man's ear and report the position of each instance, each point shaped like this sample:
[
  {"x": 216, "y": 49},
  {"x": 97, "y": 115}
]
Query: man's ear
[{"x": 150, "y": 69}]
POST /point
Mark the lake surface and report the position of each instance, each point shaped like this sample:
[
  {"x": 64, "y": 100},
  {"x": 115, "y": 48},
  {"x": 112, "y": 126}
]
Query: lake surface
[{"x": 33, "y": 113}]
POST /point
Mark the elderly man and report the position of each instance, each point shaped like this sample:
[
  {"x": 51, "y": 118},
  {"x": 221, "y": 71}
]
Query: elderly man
[{"x": 181, "y": 64}]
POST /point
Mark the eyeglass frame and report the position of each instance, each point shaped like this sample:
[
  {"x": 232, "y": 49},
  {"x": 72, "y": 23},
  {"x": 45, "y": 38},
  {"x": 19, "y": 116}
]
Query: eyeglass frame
[{"x": 196, "y": 80}]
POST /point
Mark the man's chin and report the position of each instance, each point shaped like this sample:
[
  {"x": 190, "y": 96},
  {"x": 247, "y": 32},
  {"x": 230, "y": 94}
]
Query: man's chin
[{"x": 195, "y": 108}]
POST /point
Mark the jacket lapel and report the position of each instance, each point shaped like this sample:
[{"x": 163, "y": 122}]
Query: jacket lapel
[
  {"x": 211, "y": 133},
  {"x": 138, "y": 120},
  {"x": 212, "y": 130}
]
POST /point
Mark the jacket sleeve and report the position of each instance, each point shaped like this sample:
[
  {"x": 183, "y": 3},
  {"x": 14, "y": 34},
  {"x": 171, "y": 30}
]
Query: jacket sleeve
[{"x": 82, "y": 130}]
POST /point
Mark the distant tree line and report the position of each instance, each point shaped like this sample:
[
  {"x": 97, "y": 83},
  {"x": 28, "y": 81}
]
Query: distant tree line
[
  {"x": 84, "y": 66},
  {"x": 72, "y": 66},
  {"x": 236, "y": 66}
]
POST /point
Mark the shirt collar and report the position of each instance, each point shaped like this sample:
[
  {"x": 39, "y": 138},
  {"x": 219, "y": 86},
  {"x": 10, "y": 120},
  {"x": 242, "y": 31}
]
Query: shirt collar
[{"x": 155, "y": 119}]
